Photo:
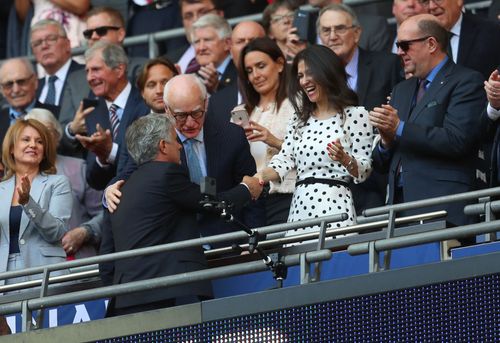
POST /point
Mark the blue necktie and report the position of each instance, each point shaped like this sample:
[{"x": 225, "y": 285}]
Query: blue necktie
[
  {"x": 193, "y": 162},
  {"x": 51, "y": 93}
]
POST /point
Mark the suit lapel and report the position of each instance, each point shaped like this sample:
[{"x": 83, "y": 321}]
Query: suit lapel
[
  {"x": 41, "y": 84},
  {"x": 437, "y": 84},
  {"x": 37, "y": 188},
  {"x": 210, "y": 141},
  {"x": 364, "y": 76},
  {"x": 468, "y": 33},
  {"x": 6, "y": 193}
]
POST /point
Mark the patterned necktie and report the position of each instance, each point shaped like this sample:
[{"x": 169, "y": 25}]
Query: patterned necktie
[
  {"x": 193, "y": 162},
  {"x": 113, "y": 118},
  {"x": 192, "y": 67},
  {"x": 51, "y": 93}
]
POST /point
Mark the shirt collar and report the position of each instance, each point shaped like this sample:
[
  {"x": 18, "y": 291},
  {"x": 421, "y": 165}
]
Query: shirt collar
[
  {"x": 222, "y": 67},
  {"x": 16, "y": 114},
  {"x": 61, "y": 73},
  {"x": 456, "y": 28},
  {"x": 352, "y": 67},
  {"x": 430, "y": 77},
  {"x": 183, "y": 138},
  {"x": 121, "y": 99}
]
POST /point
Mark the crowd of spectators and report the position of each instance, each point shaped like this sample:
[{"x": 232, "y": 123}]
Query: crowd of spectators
[{"x": 370, "y": 114}]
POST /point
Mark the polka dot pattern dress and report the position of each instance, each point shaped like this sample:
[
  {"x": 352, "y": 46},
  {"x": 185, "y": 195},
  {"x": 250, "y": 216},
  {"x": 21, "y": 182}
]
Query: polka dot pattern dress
[{"x": 304, "y": 149}]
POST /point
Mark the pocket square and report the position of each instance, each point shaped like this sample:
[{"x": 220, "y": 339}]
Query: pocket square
[{"x": 432, "y": 104}]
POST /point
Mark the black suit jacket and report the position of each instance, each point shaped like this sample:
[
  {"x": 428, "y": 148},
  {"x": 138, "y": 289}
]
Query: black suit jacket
[
  {"x": 222, "y": 102},
  {"x": 478, "y": 47},
  {"x": 74, "y": 66},
  {"x": 175, "y": 55},
  {"x": 97, "y": 176},
  {"x": 228, "y": 160},
  {"x": 229, "y": 77},
  {"x": 378, "y": 73},
  {"x": 438, "y": 144},
  {"x": 158, "y": 206}
]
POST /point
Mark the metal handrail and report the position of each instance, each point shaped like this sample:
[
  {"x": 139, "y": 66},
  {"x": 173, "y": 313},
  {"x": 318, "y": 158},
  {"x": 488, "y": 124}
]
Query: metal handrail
[
  {"x": 165, "y": 281},
  {"x": 426, "y": 237},
  {"x": 432, "y": 201}
]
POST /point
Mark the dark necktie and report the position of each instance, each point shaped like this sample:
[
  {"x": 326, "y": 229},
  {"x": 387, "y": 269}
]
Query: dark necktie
[
  {"x": 422, "y": 87},
  {"x": 195, "y": 173},
  {"x": 192, "y": 67},
  {"x": 113, "y": 118},
  {"x": 449, "y": 51},
  {"x": 51, "y": 93}
]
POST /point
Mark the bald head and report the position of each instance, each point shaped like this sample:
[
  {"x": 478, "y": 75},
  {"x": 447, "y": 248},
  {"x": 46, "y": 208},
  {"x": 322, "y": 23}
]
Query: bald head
[
  {"x": 185, "y": 98},
  {"x": 243, "y": 33}
]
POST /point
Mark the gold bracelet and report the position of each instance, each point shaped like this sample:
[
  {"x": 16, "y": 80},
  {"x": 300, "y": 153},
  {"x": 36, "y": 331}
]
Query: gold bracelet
[{"x": 351, "y": 164}]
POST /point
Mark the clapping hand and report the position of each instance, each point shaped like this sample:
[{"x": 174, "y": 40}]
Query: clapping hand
[
  {"x": 23, "y": 190},
  {"x": 385, "y": 118}
]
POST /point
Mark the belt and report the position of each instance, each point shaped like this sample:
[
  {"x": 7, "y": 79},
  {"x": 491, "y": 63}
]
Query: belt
[{"x": 312, "y": 180}]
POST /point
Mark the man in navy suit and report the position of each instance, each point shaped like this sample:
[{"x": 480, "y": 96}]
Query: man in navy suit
[
  {"x": 119, "y": 104},
  {"x": 159, "y": 206},
  {"x": 430, "y": 130},
  {"x": 473, "y": 41},
  {"x": 52, "y": 51},
  {"x": 221, "y": 148}
]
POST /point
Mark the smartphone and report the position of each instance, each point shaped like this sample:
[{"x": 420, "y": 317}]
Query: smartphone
[
  {"x": 89, "y": 103},
  {"x": 305, "y": 22},
  {"x": 239, "y": 116}
]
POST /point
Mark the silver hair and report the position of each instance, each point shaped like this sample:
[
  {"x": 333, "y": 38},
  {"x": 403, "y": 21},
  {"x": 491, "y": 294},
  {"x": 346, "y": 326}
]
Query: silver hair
[
  {"x": 45, "y": 117},
  {"x": 48, "y": 22},
  {"x": 144, "y": 135},
  {"x": 338, "y": 8},
  {"x": 215, "y": 21},
  {"x": 23, "y": 60},
  {"x": 112, "y": 54},
  {"x": 195, "y": 79}
]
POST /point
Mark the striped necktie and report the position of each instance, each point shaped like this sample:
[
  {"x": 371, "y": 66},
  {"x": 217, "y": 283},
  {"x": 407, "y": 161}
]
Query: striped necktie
[{"x": 113, "y": 118}]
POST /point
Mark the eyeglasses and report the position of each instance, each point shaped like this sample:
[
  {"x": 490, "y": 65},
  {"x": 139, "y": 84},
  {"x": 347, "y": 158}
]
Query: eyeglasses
[
  {"x": 182, "y": 117},
  {"x": 7, "y": 86},
  {"x": 279, "y": 18},
  {"x": 337, "y": 29},
  {"x": 50, "y": 40},
  {"x": 101, "y": 31},
  {"x": 404, "y": 45},
  {"x": 190, "y": 16},
  {"x": 426, "y": 3}
]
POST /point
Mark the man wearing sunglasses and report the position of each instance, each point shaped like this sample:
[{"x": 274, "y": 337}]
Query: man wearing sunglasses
[
  {"x": 52, "y": 51},
  {"x": 103, "y": 24},
  {"x": 473, "y": 40},
  {"x": 430, "y": 129}
]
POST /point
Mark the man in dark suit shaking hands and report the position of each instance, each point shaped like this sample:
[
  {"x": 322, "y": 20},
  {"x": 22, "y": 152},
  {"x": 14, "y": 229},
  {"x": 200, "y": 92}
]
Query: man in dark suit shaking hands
[
  {"x": 158, "y": 206},
  {"x": 430, "y": 129}
]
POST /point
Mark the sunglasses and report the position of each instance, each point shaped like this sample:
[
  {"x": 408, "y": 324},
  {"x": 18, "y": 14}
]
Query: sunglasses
[
  {"x": 404, "y": 45},
  {"x": 101, "y": 31}
]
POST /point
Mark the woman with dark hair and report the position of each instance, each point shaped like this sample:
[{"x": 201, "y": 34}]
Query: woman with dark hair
[
  {"x": 35, "y": 205},
  {"x": 328, "y": 141},
  {"x": 264, "y": 87}
]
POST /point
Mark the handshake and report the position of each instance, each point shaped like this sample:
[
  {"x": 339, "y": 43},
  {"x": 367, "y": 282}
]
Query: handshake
[{"x": 255, "y": 185}]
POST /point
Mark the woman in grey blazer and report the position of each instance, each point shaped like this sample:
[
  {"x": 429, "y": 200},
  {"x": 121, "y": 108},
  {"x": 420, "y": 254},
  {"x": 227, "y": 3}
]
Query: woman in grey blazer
[{"x": 35, "y": 204}]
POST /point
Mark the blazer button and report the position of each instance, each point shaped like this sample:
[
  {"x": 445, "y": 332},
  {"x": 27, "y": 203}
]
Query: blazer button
[{"x": 22, "y": 241}]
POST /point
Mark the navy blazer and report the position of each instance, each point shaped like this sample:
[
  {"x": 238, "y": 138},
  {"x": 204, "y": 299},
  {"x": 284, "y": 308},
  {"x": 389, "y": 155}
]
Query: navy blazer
[
  {"x": 478, "y": 48},
  {"x": 438, "y": 144},
  {"x": 221, "y": 103},
  {"x": 158, "y": 206},
  {"x": 97, "y": 176}
]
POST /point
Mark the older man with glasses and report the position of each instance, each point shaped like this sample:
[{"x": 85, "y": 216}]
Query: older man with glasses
[
  {"x": 430, "y": 129},
  {"x": 18, "y": 84},
  {"x": 52, "y": 51},
  {"x": 473, "y": 40}
]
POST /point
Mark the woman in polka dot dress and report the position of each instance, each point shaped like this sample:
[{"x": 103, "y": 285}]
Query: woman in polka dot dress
[{"x": 329, "y": 139}]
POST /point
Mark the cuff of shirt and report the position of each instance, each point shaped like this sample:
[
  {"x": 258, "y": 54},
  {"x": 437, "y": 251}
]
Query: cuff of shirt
[
  {"x": 399, "y": 130},
  {"x": 68, "y": 133},
  {"x": 111, "y": 158},
  {"x": 493, "y": 113}
]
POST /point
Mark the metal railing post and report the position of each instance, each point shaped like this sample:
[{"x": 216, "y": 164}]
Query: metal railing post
[{"x": 390, "y": 233}]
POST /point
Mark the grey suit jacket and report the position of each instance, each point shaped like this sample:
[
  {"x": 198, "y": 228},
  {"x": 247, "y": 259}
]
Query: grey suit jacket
[{"x": 43, "y": 223}]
